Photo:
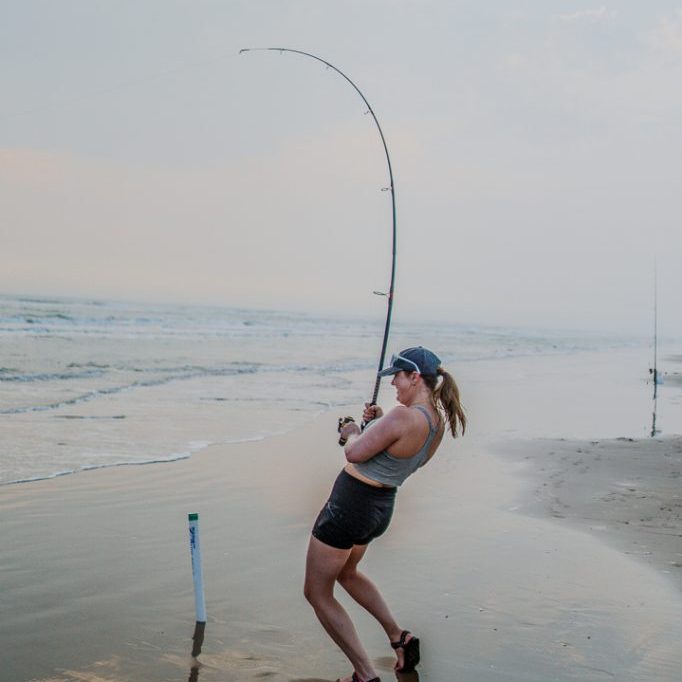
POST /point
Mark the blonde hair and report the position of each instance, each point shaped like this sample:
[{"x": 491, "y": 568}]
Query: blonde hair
[{"x": 446, "y": 401}]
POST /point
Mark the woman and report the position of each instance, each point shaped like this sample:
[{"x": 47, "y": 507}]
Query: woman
[{"x": 359, "y": 508}]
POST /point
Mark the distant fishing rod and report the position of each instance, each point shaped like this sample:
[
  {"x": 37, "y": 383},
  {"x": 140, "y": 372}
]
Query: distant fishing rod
[
  {"x": 391, "y": 187},
  {"x": 654, "y": 371}
]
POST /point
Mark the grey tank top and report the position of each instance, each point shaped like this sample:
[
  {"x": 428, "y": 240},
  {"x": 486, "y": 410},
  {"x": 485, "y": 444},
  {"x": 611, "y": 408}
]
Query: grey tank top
[{"x": 390, "y": 470}]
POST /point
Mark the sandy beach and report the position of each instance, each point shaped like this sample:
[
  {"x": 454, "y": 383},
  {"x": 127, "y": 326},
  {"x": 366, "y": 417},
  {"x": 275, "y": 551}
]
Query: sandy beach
[
  {"x": 97, "y": 582},
  {"x": 626, "y": 491}
]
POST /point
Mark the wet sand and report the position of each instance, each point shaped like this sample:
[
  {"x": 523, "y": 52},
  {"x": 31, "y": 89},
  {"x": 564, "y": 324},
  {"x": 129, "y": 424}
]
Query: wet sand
[
  {"x": 625, "y": 491},
  {"x": 97, "y": 581}
]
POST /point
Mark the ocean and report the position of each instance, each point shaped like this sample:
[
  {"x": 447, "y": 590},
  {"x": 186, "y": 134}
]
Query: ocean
[{"x": 86, "y": 384}]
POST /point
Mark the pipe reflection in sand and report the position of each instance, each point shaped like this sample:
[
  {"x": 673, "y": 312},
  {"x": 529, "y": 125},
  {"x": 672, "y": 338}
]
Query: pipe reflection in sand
[{"x": 197, "y": 643}]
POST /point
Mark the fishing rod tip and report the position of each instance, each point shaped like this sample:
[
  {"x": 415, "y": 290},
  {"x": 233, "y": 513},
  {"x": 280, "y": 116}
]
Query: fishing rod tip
[{"x": 254, "y": 49}]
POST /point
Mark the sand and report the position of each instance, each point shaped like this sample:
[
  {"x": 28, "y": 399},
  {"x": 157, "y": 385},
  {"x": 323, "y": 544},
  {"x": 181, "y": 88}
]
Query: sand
[
  {"x": 514, "y": 564},
  {"x": 626, "y": 491}
]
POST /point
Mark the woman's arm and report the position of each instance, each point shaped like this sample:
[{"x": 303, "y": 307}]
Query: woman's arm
[{"x": 362, "y": 446}]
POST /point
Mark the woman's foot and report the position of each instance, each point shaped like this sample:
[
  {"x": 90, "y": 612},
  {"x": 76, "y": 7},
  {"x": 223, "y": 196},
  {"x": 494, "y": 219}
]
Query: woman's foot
[
  {"x": 407, "y": 652},
  {"x": 354, "y": 678}
]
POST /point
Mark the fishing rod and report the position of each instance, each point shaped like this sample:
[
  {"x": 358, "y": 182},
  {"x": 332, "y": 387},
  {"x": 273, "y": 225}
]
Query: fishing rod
[{"x": 391, "y": 188}]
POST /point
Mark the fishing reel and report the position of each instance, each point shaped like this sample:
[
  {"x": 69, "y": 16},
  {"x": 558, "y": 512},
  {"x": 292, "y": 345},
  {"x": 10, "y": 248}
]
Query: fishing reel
[{"x": 342, "y": 422}]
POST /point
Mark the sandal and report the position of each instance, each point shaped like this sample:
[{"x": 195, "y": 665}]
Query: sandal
[
  {"x": 355, "y": 678},
  {"x": 410, "y": 651}
]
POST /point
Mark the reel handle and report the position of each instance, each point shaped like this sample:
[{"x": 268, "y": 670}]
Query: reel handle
[{"x": 342, "y": 422}]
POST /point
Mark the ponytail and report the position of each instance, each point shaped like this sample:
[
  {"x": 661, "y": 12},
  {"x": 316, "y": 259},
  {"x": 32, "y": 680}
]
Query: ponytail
[{"x": 445, "y": 396}]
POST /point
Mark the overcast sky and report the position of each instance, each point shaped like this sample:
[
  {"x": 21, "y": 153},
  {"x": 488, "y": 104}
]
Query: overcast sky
[{"x": 536, "y": 149}]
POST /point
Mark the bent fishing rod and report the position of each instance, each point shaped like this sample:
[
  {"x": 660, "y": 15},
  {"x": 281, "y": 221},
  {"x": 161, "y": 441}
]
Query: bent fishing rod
[{"x": 391, "y": 187}]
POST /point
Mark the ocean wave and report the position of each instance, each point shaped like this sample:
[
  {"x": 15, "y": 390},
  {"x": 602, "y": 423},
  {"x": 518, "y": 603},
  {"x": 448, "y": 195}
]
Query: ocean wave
[
  {"x": 49, "y": 376},
  {"x": 42, "y": 317},
  {"x": 85, "y": 397},
  {"x": 40, "y": 301},
  {"x": 192, "y": 448},
  {"x": 96, "y": 467},
  {"x": 113, "y": 390},
  {"x": 51, "y": 316},
  {"x": 40, "y": 477},
  {"x": 87, "y": 318},
  {"x": 89, "y": 416},
  {"x": 56, "y": 355}
]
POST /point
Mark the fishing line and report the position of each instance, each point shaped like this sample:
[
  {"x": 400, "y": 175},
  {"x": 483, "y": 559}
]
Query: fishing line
[{"x": 390, "y": 294}]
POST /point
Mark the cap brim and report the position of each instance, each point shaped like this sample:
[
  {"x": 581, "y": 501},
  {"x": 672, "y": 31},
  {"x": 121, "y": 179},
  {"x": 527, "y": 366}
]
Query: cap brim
[{"x": 389, "y": 371}]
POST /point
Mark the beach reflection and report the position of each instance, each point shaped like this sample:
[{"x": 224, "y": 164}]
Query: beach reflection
[
  {"x": 197, "y": 643},
  {"x": 386, "y": 663},
  {"x": 194, "y": 671}
]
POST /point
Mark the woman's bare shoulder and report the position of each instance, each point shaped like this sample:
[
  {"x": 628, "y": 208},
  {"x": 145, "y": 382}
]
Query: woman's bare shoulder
[
  {"x": 406, "y": 418},
  {"x": 400, "y": 414}
]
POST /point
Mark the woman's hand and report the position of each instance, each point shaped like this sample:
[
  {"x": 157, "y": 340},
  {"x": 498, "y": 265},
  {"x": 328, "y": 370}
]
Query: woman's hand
[
  {"x": 347, "y": 430},
  {"x": 371, "y": 412}
]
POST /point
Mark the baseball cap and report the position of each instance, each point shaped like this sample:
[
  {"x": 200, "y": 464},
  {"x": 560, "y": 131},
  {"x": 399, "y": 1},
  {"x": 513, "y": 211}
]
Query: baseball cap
[{"x": 417, "y": 359}]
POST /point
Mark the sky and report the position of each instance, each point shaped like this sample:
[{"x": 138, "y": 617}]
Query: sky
[{"x": 535, "y": 146}]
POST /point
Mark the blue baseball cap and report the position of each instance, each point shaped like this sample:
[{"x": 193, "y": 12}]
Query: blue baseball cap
[{"x": 417, "y": 359}]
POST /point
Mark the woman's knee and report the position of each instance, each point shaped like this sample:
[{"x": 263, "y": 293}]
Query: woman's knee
[
  {"x": 308, "y": 591},
  {"x": 316, "y": 591},
  {"x": 323, "y": 564},
  {"x": 347, "y": 575}
]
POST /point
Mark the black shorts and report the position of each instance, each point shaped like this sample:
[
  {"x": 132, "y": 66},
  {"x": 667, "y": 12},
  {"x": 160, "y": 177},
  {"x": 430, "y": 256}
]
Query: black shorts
[{"x": 354, "y": 514}]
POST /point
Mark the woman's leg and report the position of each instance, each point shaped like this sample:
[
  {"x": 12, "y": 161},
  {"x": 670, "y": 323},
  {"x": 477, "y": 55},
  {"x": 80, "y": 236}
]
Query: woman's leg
[
  {"x": 366, "y": 593},
  {"x": 323, "y": 565}
]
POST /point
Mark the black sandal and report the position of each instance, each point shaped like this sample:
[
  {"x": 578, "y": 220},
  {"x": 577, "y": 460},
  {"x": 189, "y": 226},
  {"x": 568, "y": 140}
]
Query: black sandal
[
  {"x": 355, "y": 678},
  {"x": 410, "y": 651}
]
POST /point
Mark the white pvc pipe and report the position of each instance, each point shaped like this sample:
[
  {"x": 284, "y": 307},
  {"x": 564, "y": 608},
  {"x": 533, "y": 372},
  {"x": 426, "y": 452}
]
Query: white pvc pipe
[{"x": 195, "y": 549}]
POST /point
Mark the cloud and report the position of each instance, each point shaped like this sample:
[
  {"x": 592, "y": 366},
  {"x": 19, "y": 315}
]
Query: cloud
[
  {"x": 667, "y": 36},
  {"x": 590, "y": 15}
]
